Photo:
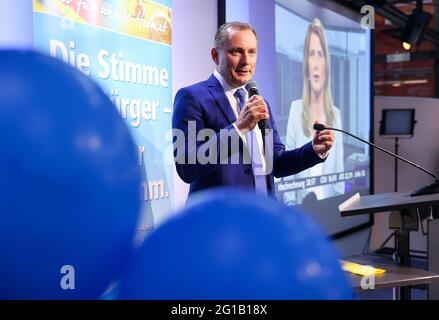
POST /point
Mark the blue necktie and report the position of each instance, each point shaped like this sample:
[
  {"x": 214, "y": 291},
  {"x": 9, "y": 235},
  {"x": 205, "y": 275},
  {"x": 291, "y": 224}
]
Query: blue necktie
[{"x": 252, "y": 141}]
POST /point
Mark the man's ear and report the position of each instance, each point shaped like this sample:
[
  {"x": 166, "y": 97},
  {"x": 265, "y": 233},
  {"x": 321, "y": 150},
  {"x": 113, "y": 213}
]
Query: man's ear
[{"x": 214, "y": 55}]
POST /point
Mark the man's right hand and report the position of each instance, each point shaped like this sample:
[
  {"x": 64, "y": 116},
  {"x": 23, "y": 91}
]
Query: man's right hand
[{"x": 255, "y": 109}]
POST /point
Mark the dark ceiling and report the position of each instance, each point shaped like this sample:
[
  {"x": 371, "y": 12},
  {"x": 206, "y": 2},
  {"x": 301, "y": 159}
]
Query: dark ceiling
[{"x": 388, "y": 10}]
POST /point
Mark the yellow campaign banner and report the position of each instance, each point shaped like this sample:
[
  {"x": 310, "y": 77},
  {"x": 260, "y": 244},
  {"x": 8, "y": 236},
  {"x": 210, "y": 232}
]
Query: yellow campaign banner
[{"x": 145, "y": 19}]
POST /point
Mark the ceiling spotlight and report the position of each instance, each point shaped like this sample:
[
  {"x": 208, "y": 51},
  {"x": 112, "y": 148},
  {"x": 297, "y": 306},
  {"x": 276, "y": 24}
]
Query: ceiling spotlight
[
  {"x": 417, "y": 23},
  {"x": 406, "y": 45}
]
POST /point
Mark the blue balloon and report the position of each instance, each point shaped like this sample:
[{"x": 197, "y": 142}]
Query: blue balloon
[
  {"x": 69, "y": 186},
  {"x": 229, "y": 244}
]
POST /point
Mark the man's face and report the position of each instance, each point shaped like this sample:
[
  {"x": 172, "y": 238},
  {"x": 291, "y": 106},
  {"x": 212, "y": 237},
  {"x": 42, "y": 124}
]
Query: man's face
[{"x": 236, "y": 60}]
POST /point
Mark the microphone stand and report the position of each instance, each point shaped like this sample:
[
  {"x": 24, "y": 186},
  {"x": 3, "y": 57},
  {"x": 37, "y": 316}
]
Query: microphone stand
[{"x": 431, "y": 188}]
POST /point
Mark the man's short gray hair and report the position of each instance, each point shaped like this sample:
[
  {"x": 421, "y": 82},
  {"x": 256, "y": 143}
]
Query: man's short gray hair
[{"x": 223, "y": 32}]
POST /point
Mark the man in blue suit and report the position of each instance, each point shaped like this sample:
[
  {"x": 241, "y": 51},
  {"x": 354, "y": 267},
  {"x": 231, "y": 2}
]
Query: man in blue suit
[{"x": 217, "y": 115}]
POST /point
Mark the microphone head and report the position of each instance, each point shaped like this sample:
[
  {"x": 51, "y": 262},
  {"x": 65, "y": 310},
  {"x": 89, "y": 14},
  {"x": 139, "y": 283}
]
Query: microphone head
[
  {"x": 252, "y": 87},
  {"x": 319, "y": 127}
]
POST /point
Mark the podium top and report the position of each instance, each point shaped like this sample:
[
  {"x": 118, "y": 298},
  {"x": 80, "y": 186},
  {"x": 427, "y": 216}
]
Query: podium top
[
  {"x": 395, "y": 275},
  {"x": 386, "y": 202}
]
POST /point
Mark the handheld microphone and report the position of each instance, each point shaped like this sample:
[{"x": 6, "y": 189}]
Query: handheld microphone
[
  {"x": 252, "y": 89},
  {"x": 431, "y": 188}
]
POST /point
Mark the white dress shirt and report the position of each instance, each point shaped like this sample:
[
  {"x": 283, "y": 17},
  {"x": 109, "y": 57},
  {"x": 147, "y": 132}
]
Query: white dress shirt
[{"x": 234, "y": 103}]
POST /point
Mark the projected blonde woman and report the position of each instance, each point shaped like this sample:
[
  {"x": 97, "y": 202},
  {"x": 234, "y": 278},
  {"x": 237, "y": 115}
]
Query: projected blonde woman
[{"x": 316, "y": 105}]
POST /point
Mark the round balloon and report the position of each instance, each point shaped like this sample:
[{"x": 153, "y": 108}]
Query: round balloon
[
  {"x": 69, "y": 186},
  {"x": 229, "y": 244}
]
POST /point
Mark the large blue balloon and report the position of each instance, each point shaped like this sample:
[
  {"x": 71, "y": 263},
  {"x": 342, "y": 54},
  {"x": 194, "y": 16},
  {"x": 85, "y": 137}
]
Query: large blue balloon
[
  {"x": 233, "y": 245},
  {"x": 69, "y": 182}
]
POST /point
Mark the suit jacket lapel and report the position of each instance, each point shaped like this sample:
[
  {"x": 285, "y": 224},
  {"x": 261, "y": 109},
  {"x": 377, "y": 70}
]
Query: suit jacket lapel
[{"x": 223, "y": 103}]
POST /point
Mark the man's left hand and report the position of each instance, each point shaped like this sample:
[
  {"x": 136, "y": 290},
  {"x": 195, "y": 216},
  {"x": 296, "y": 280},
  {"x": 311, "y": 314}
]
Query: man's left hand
[{"x": 323, "y": 141}]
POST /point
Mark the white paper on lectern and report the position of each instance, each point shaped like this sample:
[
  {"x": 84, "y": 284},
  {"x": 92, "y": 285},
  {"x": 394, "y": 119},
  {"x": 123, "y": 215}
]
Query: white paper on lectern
[{"x": 348, "y": 202}]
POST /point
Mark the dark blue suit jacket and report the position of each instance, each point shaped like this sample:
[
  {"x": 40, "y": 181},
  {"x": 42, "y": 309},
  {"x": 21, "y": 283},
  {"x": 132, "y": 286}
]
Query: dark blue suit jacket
[{"x": 206, "y": 106}]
